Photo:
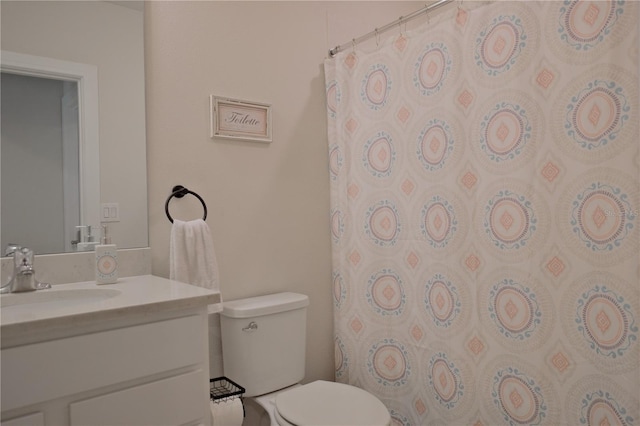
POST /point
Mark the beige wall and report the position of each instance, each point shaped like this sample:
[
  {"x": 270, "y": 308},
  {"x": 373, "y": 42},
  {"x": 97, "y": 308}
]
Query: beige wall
[{"x": 268, "y": 203}]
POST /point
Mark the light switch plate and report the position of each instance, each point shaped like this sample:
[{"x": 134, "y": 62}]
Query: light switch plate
[{"x": 110, "y": 212}]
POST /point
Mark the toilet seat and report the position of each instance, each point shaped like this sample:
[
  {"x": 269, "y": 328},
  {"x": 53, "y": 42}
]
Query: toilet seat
[{"x": 329, "y": 403}]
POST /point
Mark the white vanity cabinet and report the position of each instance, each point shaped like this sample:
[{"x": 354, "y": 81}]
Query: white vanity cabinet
[{"x": 140, "y": 361}]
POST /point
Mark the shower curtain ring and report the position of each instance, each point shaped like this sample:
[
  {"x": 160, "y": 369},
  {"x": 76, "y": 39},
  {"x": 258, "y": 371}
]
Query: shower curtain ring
[
  {"x": 353, "y": 46},
  {"x": 377, "y": 38},
  {"x": 428, "y": 15}
]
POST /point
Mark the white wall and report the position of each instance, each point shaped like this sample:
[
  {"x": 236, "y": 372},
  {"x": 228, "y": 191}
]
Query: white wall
[
  {"x": 110, "y": 37},
  {"x": 268, "y": 203}
]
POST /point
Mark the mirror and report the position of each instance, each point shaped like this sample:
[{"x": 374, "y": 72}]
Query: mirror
[
  {"x": 105, "y": 36},
  {"x": 50, "y": 112}
]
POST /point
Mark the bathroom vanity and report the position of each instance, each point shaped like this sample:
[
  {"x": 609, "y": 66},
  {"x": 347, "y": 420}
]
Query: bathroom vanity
[{"x": 130, "y": 353}]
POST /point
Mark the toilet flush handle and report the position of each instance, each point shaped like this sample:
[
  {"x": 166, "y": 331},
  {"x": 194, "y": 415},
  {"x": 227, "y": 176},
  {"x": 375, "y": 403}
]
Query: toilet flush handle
[{"x": 251, "y": 327}]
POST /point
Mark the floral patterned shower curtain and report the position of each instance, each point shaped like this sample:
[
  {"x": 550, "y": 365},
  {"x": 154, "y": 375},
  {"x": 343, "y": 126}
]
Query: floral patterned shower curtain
[{"x": 485, "y": 215}]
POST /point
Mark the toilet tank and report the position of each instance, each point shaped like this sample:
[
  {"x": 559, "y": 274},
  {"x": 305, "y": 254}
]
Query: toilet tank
[{"x": 264, "y": 341}]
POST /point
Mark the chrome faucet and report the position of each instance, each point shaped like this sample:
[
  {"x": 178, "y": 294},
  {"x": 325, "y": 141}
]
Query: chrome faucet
[{"x": 24, "y": 276}]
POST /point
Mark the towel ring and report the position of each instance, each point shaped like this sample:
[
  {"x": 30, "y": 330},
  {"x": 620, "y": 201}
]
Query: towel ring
[{"x": 180, "y": 191}]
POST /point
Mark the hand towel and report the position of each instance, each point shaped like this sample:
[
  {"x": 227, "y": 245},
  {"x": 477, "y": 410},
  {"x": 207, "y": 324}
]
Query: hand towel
[{"x": 192, "y": 257}]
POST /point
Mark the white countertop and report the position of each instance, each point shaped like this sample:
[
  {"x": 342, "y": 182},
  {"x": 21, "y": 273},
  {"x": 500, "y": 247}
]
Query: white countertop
[{"x": 86, "y": 304}]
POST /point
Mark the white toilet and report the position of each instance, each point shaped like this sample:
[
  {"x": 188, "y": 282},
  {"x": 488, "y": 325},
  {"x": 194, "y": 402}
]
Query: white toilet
[{"x": 263, "y": 350}]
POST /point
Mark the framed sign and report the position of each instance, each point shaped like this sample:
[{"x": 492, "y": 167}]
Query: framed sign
[{"x": 235, "y": 119}]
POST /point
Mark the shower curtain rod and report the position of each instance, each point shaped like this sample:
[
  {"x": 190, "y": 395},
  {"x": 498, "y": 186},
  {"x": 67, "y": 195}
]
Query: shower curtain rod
[{"x": 401, "y": 20}]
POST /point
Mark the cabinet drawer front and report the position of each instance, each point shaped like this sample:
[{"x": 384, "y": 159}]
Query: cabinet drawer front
[
  {"x": 174, "y": 401},
  {"x": 48, "y": 370}
]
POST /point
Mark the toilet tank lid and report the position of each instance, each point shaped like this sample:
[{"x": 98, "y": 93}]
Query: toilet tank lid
[{"x": 264, "y": 305}]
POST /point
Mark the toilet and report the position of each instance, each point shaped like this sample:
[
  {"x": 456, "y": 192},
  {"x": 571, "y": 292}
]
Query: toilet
[{"x": 263, "y": 350}]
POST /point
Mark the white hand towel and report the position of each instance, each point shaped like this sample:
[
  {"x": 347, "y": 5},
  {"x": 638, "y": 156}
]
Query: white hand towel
[{"x": 192, "y": 257}]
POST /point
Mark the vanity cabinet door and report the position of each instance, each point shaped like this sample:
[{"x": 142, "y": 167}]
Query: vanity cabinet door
[
  {"x": 48, "y": 370},
  {"x": 146, "y": 374},
  {"x": 35, "y": 419},
  {"x": 173, "y": 401}
]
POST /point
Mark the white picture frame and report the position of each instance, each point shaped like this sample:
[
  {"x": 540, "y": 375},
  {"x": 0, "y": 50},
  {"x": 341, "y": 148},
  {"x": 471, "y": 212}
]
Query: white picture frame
[{"x": 242, "y": 120}]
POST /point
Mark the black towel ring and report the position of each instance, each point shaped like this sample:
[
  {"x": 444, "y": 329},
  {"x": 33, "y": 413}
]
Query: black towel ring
[{"x": 180, "y": 191}]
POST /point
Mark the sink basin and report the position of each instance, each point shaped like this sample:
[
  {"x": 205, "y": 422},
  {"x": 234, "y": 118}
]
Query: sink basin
[{"x": 52, "y": 298}]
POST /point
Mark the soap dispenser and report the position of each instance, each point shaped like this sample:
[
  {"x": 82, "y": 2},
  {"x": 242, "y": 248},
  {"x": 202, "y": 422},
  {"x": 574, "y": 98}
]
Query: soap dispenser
[{"x": 106, "y": 260}]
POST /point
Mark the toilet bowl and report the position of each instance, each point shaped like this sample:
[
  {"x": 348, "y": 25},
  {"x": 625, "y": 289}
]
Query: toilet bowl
[
  {"x": 324, "y": 403},
  {"x": 263, "y": 349}
]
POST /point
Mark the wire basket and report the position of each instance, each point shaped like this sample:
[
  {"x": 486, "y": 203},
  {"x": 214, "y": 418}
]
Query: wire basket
[{"x": 223, "y": 389}]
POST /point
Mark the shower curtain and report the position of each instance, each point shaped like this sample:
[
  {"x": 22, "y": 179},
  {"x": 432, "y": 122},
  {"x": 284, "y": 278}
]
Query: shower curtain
[{"x": 485, "y": 215}]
